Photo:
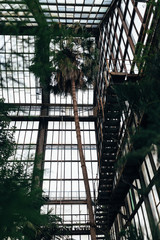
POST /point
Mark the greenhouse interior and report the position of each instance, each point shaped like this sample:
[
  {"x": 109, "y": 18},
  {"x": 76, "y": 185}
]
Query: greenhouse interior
[{"x": 79, "y": 119}]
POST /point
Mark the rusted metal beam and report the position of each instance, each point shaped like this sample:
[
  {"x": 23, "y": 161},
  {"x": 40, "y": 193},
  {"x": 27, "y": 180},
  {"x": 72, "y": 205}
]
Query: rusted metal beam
[
  {"x": 52, "y": 118},
  {"x": 126, "y": 30},
  {"x": 58, "y": 202}
]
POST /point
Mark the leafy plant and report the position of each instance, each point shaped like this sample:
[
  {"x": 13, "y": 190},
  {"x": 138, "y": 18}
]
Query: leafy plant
[
  {"x": 20, "y": 204},
  {"x": 144, "y": 100},
  {"x": 131, "y": 233}
]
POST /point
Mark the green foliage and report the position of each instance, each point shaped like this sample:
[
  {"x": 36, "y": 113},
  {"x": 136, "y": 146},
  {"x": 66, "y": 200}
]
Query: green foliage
[
  {"x": 6, "y": 140},
  {"x": 131, "y": 234},
  {"x": 76, "y": 59},
  {"x": 144, "y": 100},
  {"x": 20, "y": 204},
  {"x": 72, "y": 53},
  {"x": 41, "y": 66},
  {"x": 156, "y": 231},
  {"x": 17, "y": 207}
]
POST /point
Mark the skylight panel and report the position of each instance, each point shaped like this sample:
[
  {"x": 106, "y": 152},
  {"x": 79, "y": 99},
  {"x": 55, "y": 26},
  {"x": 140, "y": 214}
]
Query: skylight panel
[
  {"x": 60, "y": 1},
  {"x": 17, "y": 10},
  {"x": 98, "y": 1},
  {"x": 97, "y": 21},
  {"x": 142, "y": 6},
  {"x": 79, "y": 1},
  {"x": 78, "y": 8},
  {"x": 63, "y": 20},
  {"x": 50, "y": 20},
  {"x": 51, "y": 1},
  {"x": 23, "y": 14},
  {"x": 100, "y": 15},
  {"x": 69, "y": 15},
  {"x": 69, "y": 20},
  {"x": 13, "y": 1},
  {"x": 76, "y": 20},
  {"x": 86, "y": 9},
  {"x": 90, "y": 21},
  {"x": 61, "y": 8},
  {"x": 5, "y": 6},
  {"x": 69, "y": 9},
  {"x": 47, "y": 14},
  {"x": 10, "y": 19},
  {"x": 107, "y": 1},
  {"x": 42, "y": 1},
  {"x": 31, "y": 19},
  {"x": 92, "y": 15},
  {"x": 52, "y": 8},
  {"x": 54, "y": 15},
  {"x": 85, "y": 15},
  {"x": 95, "y": 9},
  {"x": 70, "y": 1},
  {"x": 45, "y": 7},
  {"x": 62, "y": 14},
  {"x": 89, "y": 1},
  {"x": 103, "y": 9},
  {"x": 22, "y": 6},
  {"x": 77, "y": 15},
  {"x": 82, "y": 21},
  {"x": 5, "y": 13}
]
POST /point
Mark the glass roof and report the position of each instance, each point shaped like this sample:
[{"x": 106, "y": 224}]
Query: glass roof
[{"x": 29, "y": 13}]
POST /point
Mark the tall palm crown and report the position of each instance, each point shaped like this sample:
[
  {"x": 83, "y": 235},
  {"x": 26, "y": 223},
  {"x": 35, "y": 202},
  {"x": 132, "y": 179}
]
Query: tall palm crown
[
  {"x": 75, "y": 59},
  {"x": 67, "y": 70}
]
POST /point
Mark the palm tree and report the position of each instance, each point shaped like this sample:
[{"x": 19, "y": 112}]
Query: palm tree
[{"x": 72, "y": 66}]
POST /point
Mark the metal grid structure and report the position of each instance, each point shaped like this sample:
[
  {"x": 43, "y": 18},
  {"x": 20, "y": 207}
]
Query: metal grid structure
[
  {"x": 48, "y": 125},
  {"x": 50, "y": 128},
  {"x": 63, "y": 181},
  {"x": 87, "y": 12},
  {"x": 126, "y": 24}
]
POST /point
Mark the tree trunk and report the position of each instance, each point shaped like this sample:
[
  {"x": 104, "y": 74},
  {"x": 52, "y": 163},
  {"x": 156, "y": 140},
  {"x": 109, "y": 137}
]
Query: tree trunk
[
  {"x": 41, "y": 141},
  {"x": 83, "y": 165},
  {"x": 42, "y": 58}
]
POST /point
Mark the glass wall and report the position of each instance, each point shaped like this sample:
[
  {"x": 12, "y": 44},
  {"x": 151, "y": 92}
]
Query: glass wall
[
  {"x": 63, "y": 184},
  {"x": 63, "y": 180},
  {"x": 134, "y": 197}
]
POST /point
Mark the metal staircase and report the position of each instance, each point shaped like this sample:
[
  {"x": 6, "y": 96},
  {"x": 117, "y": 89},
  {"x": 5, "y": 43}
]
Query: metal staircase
[
  {"x": 111, "y": 198},
  {"x": 109, "y": 149}
]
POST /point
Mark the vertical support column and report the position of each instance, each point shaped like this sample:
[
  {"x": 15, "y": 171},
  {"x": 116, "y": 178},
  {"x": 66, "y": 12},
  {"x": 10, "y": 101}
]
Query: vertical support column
[
  {"x": 41, "y": 141},
  {"x": 42, "y": 61}
]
